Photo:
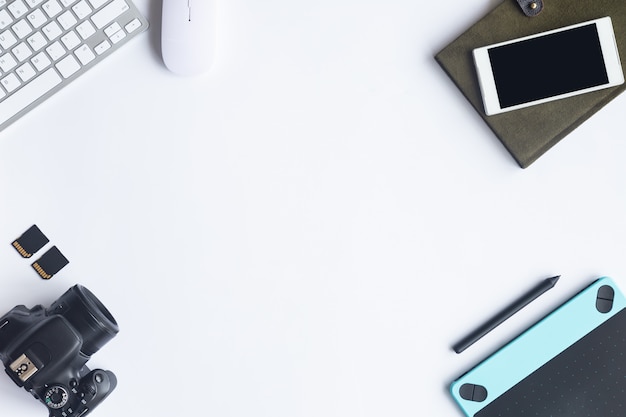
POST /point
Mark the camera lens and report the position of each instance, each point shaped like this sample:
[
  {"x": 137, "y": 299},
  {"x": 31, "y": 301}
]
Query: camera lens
[{"x": 88, "y": 316}]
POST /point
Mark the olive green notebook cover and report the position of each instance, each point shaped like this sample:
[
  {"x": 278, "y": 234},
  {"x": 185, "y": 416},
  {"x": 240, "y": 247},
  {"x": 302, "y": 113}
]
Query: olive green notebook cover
[{"x": 528, "y": 133}]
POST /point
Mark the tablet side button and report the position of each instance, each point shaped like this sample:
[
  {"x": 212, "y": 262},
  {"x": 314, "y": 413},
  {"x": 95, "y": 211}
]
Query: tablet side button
[
  {"x": 471, "y": 392},
  {"x": 604, "y": 299}
]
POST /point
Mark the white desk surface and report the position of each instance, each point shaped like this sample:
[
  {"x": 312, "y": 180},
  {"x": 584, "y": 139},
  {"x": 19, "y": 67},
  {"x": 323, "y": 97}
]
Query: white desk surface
[{"x": 306, "y": 230}]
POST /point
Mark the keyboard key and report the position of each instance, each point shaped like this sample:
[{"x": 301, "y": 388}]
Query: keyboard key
[
  {"x": 28, "y": 94},
  {"x": 133, "y": 26},
  {"x": 67, "y": 3},
  {"x": 70, "y": 40},
  {"x": 52, "y": 30},
  {"x": 81, "y": 9},
  {"x": 26, "y": 72},
  {"x": 22, "y": 52},
  {"x": 67, "y": 20},
  {"x": 68, "y": 66},
  {"x": 41, "y": 61},
  {"x": 33, "y": 3},
  {"x": 109, "y": 12},
  {"x": 22, "y": 29},
  {"x": 55, "y": 51},
  {"x": 52, "y": 8},
  {"x": 7, "y": 62},
  {"x": 37, "y": 41},
  {"x": 37, "y": 18},
  {"x": 10, "y": 83},
  {"x": 84, "y": 54},
  {"x": 85, "y": 29},
  {"x": 5, "y": 19},
  {"x": 118, "y": 36},
  {"x": 7, "y": 39},
  {"x": 102, "y": 47},
  {"x": 18, "y": 9},
  {"x": 115, "y": 27}
]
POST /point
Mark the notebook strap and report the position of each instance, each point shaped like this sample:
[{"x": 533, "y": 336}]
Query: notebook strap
[{"x": 531, "y": 8}]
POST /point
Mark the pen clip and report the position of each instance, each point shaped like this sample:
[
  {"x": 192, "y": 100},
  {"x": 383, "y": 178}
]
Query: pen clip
[{"x": 531, "y": 8}]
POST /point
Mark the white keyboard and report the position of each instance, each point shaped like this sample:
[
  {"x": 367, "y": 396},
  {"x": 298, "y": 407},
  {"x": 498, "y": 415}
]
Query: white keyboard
[{"x": 45, "y": 44}]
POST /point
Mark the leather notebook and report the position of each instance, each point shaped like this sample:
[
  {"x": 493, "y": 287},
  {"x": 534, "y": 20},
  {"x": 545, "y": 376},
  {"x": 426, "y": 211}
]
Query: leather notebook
[{"x": 528, "y": 133}]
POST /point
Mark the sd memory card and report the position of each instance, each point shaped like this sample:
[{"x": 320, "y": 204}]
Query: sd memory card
[
  {"x": 50, "y": 263},
  {"x": 30, "y": 242}
]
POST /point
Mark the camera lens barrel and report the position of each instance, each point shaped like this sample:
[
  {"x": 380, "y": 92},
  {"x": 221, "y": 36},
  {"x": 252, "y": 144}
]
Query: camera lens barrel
[{"x": 82, "y": 309}]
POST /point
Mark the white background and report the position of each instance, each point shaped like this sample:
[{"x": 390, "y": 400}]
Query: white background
[{"x": 307, "y": 229}]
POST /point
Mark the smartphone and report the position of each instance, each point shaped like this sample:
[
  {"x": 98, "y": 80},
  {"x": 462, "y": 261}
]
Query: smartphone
[{"x": 548, "y": 66}]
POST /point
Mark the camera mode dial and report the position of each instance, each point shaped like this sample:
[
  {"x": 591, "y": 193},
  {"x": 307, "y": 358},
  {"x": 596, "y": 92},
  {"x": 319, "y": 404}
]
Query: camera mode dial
[{"x": 56, "y": 397}]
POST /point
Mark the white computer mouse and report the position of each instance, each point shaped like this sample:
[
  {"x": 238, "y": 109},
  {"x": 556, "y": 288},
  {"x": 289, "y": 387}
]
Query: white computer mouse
[{"x": 188, "y": 35}]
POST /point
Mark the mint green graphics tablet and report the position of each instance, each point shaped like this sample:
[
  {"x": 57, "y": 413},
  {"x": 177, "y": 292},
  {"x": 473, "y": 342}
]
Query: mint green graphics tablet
[{"x": 572, "y": 363}]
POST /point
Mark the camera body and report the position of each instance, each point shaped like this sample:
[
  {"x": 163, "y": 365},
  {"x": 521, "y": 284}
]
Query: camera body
[{"x": 46, "y": 351}]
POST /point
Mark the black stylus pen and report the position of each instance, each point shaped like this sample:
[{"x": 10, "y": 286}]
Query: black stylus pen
[{"x": 520, "y": 303}]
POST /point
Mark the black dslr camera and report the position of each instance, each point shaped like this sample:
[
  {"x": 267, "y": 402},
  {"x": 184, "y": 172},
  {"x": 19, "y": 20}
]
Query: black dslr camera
[{"x": 45, "y": 351}]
